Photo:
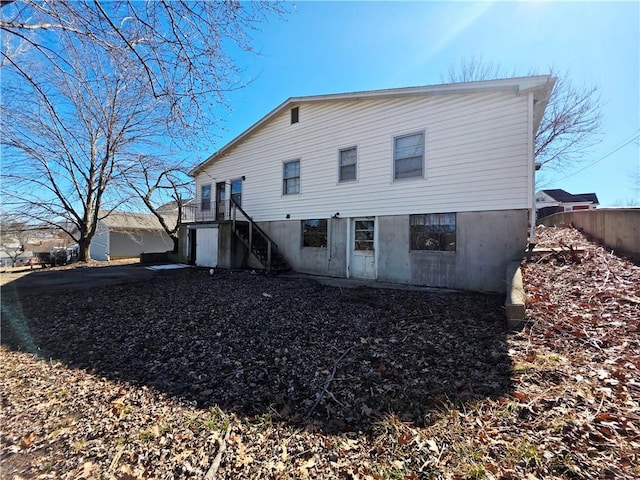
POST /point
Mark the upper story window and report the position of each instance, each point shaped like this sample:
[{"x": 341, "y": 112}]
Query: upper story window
[
  {"x": 408, "y": 156},
  {"x": 348, "y": 164},
  {"x": 433, "y": 231},
  {"x": 291, "y": 177},
  {"x": 314, "y": 233},
  {"x": 236, "y": 191},
  {"x": 295, "y": 115},
  {"x": 205, "y": 197}
]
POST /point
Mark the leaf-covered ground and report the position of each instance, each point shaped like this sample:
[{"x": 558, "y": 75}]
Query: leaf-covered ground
[{"x": 248, "y": 376}]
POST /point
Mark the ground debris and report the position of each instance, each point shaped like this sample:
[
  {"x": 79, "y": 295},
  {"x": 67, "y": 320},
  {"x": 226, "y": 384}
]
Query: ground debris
[{"x": 251, "y": 376}]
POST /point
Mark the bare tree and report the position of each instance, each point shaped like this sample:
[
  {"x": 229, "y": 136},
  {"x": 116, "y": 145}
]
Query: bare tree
[
  {"x": 66, "y": 134},
  {"x": 162, "y": 188},
  {"x": 182, "y": 49},
  {"x": 91, "y": 90},
  {"x": 571, "y": 122}
]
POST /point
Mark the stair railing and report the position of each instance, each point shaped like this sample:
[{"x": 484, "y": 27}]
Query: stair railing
[{"x": 271, "y": 245}]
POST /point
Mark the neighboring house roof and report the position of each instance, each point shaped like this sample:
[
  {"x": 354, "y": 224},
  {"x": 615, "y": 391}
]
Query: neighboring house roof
[
  {"x": 563, "y": 196},
  {"x": 173, "y": 206},
  {"x": 540, "y": 85},
  {"x": 131, "y": 222}
]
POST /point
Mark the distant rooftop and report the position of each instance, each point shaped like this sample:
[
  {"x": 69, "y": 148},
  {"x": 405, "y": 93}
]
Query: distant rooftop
[
  {"x": 563, "y": 196},
  {"x": 130, "y": 222}
]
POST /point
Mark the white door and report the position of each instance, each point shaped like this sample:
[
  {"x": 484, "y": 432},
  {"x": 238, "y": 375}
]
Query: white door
[
  {"x": 207, "y": 247},
  {"x": 363, "y": 247}
]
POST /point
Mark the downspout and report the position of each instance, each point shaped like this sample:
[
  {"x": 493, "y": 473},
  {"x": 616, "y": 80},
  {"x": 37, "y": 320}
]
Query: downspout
[
  {"x": 348, "y": 249},
  {"x": 532, "y": 173},
  {"x": 330, "y": 241}
]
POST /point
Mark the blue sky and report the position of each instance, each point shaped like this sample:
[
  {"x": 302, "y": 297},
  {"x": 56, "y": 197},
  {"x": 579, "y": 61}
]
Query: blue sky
[{"x": 332, "y": 47}]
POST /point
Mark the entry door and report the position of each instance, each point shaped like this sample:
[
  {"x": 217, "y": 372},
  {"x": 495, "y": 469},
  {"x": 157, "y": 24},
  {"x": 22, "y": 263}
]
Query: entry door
[
  {"x": 363, "y": 245},
  {"x": 220, "y": 200}
]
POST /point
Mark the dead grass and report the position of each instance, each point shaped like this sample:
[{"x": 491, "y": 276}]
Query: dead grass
[{"x": 246, "y": 376}]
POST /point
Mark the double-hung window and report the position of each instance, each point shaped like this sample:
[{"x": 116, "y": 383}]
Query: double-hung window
[
  {"x": 236, "y": 191},
  {"x": 348, "y": 164},
  {"x": 408, "y": 156},
  {"x": 433, "y": 231},
  {"x": 291, "y": 178},
  {"x": 205, "y": 197}
]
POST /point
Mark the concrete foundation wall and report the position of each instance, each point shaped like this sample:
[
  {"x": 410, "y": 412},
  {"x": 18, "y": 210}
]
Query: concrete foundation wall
[
  {"x": 617, "y": 228},
  {"x": 183, "y": 244},
  {"x": 485, "y": 243},
  {"x": 329, "y": 261},
  {"x": 232, "y": 253}
]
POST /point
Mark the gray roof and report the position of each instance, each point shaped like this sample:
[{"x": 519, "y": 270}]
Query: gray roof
[
  {"x": 134, "y": 222},
  {"x": 563, "y": 196}
]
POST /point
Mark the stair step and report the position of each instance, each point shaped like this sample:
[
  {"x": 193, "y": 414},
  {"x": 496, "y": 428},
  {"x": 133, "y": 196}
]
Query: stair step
[{"x": 260, "y": 249}]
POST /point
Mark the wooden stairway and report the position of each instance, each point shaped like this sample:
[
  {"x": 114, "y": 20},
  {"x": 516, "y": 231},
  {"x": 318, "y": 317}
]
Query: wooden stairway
[{"x": 257, "y": 241}]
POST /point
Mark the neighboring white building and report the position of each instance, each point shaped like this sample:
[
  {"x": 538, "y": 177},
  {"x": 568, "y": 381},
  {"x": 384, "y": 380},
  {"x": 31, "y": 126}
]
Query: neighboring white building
[
  {"x": 557, "y": 200},
  {"x": 425, "y": 185},
  {"x": 127, "y": 235}
]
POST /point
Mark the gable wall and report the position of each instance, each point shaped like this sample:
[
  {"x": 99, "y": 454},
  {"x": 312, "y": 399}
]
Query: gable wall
[{"x": 476, "y": 157}]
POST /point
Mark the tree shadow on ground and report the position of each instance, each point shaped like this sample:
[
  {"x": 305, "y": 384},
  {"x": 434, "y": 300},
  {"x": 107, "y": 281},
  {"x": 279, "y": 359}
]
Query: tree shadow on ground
[{"x": 301, "y": 352}]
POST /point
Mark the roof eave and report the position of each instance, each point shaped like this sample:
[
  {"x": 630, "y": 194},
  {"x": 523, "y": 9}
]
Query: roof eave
[{"x": 541, "y": 98}]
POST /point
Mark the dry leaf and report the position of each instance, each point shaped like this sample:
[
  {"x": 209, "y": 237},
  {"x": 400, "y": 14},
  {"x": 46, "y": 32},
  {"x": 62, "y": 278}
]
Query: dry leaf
[{"x": 27, "y": 441}]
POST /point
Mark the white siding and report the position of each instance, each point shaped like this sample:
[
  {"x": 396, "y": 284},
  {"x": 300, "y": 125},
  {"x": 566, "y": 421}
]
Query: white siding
[
  {"x": 100, "y": 245},
  {"x": 476, "y": 148}
]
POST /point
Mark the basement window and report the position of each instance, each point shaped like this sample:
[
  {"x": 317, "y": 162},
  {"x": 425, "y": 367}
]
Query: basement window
[
  {"x": 314, "y": 233},
  {"x": 433, "y": 231},
  {"x": 295, "y": 115}
]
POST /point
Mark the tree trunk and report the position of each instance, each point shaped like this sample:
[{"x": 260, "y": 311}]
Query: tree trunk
[
  {"x": 84, "y": 249},
  {"x": 175, "y": 243}
]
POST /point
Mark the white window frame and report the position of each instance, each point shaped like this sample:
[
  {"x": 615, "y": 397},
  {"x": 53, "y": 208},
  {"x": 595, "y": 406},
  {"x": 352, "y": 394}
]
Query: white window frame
[
  {"x": 353, "y": 147},
  {"x": 394, "y": 159},
  {"x": 284, "y": 179},
  {"x": 202, "y": 197}
]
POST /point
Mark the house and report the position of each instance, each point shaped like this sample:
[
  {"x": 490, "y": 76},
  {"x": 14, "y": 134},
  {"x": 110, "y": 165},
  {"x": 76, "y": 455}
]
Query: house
[
  {"x": 428, "y": 185},
  {"x": 34, "y": 242},
  {"x": 10, "y": 256},
  {"x": 553, "y": 201},
  {"x": 125, "y": 235}
]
